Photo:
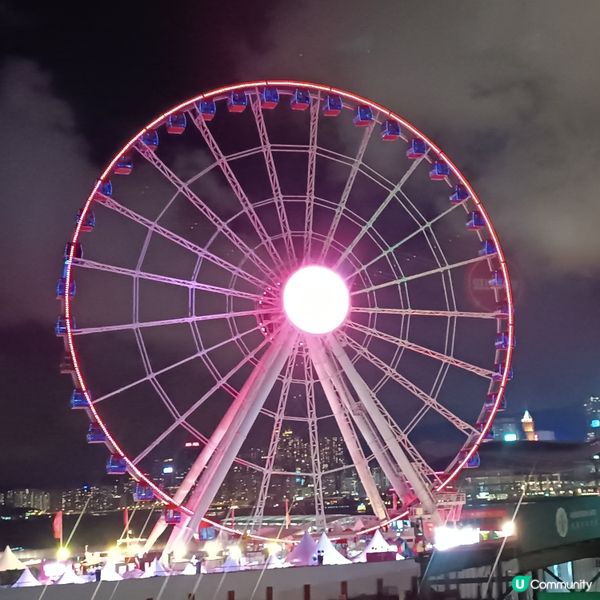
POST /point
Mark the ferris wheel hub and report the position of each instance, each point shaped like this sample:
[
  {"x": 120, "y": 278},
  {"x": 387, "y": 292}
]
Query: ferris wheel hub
[{"x": 316, "y": 299}]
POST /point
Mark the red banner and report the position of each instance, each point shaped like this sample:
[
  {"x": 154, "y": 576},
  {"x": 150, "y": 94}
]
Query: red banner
[
  {"x": 126, "y": 520},
  {"x": 57, "y": 525}
]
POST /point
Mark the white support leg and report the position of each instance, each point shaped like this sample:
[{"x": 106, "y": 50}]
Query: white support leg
[
  {"x": 250, "y": 400},
  {"x": 414, "y": 478},
  {"x": 319, "y": 361}
]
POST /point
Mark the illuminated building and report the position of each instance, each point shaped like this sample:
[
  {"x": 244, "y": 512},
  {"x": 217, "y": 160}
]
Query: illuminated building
[
  {"x": 528, "y": 427},
  {"x": 591, "y": 408}
]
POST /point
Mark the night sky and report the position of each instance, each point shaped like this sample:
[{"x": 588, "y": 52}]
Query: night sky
[{"x": 509, "y": 89}]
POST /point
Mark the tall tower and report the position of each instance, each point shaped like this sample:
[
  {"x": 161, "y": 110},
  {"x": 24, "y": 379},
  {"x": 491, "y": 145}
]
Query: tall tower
[
  {"x": 529, "y": 427},
  {"x": 592, "y": 415}
]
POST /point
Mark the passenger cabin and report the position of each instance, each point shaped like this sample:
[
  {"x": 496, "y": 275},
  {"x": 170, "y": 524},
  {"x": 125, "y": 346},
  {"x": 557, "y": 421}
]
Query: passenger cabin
[
  {"x": 417, "y": 148},
  {"x": 499, "y": 372},
  {"x": 476, "y": 221},
  {"x": 497, "y": 280},
  {"x": 66, "y": 366},
  {"x": 269, "y": 98},
  {"x": 460, "y": 194},
  {"x": 150, "y": 139},
  {"x": 390, "y": 130},
  {"x": 95, "y": 434},
  {"x": 75, "y": 248},
  {"x": 116, "y": 465},
  {"x": 473, "y": 462},
  {"x": 123, "y": 166},
  {"x": 176, "y": 123},
  {"x": 89, "y": 222},
  {"x": 105, "y": 188},
  {"x": 363, "y": 115},
  {"x": 60, "y": 327},
  {"x": 172, "y": 515},
  {"x": 489, "y": 435},
  {"x": 300, "y": 100},
  {"x": 237, "y": 102},
  {"x": 488, "y": 248},
  {"x": 490, "y": 401},
  {"x": 207, "y": 109},
  {"x": 502, "y": 341},
  {"x": 502, "y": 310},
  {"x": 61, "y": 288},
  {"x": 78, "y": 399},
  {"x": 332, "y": 105},
  {"x": 439, "y": 171},
  {"x": 143, "y": 493}
]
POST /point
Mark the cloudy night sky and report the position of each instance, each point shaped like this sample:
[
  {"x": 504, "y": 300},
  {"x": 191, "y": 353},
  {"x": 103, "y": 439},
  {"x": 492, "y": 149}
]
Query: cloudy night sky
[{"x": 509, "y": 88}]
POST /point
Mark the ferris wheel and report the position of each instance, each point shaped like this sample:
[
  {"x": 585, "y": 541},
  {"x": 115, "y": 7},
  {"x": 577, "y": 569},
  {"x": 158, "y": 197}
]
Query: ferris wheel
[{"x": 280, "y": 254}]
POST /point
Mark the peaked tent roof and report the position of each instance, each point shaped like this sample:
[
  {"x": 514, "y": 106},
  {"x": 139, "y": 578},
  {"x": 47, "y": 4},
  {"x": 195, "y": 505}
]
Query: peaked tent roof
[
  {"x": 69, "y": 576},
  {"x": 155, "y": 569},
  {"x": 190, "y": 569},
  {"x": 304, "y": 553},
  {"x": 109, "y": 573},
  {"x": 331, "y": 556},
  {"x": 377, "y": 544},
  {"x": 26, "y": 579},
  {"x": 9, "y": 562}
]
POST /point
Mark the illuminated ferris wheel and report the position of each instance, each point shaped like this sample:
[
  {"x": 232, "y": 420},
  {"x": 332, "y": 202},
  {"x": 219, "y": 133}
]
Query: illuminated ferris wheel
[{"x": 276, "y": 254}]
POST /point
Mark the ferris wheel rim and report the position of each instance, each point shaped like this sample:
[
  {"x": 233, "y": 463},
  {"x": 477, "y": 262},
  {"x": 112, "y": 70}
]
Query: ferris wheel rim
[{"x": 69, "y": 336}]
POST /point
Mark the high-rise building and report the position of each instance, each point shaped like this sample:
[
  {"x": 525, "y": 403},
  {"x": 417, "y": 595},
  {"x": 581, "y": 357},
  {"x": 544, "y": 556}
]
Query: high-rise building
[
  {"x": 506, "y": 429},
  {"x": 591, "y": 408},
  {"x": 28, "y": 498},
  {"x": 528, "y": 426}
]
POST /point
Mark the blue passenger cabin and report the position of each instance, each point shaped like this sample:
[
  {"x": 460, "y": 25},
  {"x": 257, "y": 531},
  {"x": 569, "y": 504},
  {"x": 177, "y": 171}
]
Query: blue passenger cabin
[
  {"x": 60, "y": 327},
  {"x": 66, "y": 366},
  {"x": 106, "y": 188},
  {"x": 489, "y": 434},
  {"x": 116, "y": 465},
  {"x": 207, "y": 109},
  {"x": 439, "y": 171},
  {"x": 417, "y": 148},
  {"x": 473, "y": 462},
  {"x": 123, "y": 166},
  {"x": 78, "y": 399},
  {"x": 75, "y": 248},
  {"x": 176, "y": 123},
  {"x": 488, "y": 248},
  {"x": 172, "y": 515},
  {"x": 497, "y": 280},
  {"x": 143, "y": 493},
  {"x": 502, "y": 310},
  {"x": 150, "y": 139},
  {"x": 502, "y": 342},
  {"x": 460, "y": 194},
  {"x": 490, "y": 400},
  {"x": 499, "y": 372},
  {"x": 269, "y": 98},
  {"x": 300, "y": 100},
  {"x": 476, "y": 221},
  {"x": 95, "y": 435},
  {"x": 61, "y": 288},
  {"x": 363, "y": 115},
  {"x": 332, "y": 105},
  {"x": 89, "y": 222},
  {"x": 390, "y": 130},
  {"x": 237, "y": 102}
]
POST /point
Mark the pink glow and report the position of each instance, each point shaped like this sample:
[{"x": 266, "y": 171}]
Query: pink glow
[{"x": 316, "y": 299}]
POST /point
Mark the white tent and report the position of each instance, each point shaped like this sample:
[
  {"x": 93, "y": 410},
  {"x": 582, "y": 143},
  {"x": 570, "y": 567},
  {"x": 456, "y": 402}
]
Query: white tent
[
  {"x": 9, "y": 562},
  {"x": 273, "y": 562},
  {"x": 233, "y": 564},
  {"x": 26, "y": 579},
  {"x": 155, "y": 569},
  {"x": 330, "y": 554},
  {"x": 133, "y": 574},
  {"x": 69, "y": 576},
  {"x": 377, "y": 544},
  {"x": 109, "y": 573},
  {"x": 190, "y": 569},
  {"x": 304, "y": 553}
]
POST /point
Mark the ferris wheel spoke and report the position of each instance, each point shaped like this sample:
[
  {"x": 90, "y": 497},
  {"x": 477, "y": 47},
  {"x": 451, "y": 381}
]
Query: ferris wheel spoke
[
  {"x": 273, "y": 176},
  {"x": 371, "y": 222},
  {"x": 347, "y": 188},
  {"x": 311, "y": 175},
  {"x": 451, "y": 360},
  {"x": 176, "y": 239},
  {"x": 237, "y": 189},
  {"x": 138, "y": 274},
  {"x": 313, "y": 440},
  {"x": 428, "y": 400},
  {"x": 184, "y": 416},
  {"x": 164, "y": 322},
  {"x": 175, "y": 365},
  {"x": 221, "y": 226},
  {"x": 441, "y": 269},
  {"x": 394, "y": 247},
  {"x": 416, "y": 312},
  {"x": 278, "y": 416}
]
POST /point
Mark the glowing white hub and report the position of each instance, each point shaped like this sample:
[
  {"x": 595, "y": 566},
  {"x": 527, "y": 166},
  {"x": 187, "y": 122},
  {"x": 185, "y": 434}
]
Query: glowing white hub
[{"x": 315, "y": 299}]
